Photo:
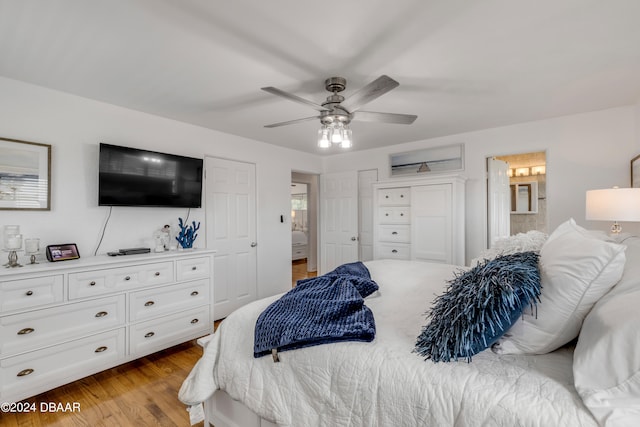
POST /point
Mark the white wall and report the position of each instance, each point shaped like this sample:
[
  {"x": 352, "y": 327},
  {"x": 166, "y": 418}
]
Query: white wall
[
  {"x": 74, "y": 126},
  {"x": 584, "y": 151}
]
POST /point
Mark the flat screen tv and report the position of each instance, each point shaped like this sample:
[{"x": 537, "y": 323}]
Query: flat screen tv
[{"x": 134, "y": 177}]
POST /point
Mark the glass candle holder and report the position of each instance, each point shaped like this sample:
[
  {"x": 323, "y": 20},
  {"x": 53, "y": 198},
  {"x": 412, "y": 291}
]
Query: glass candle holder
[
  {"x": 32, "y": 247},
  {"x": 10, "y": 231},
  {"x": 13, "y": 243}
]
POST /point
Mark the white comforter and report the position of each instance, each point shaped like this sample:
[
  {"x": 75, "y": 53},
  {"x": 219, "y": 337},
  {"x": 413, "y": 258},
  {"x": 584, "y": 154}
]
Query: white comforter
[{"x": 383, "y": 383}]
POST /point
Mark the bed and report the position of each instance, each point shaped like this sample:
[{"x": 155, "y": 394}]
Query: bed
[{"x": 386, "y": 383}]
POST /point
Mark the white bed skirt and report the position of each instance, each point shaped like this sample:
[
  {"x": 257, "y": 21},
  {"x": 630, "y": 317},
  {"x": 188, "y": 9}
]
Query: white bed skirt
[{"x": 222, "y": 411}]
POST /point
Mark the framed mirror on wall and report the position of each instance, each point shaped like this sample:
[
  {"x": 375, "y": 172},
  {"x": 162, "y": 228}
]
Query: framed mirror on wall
[{"x": 25, "y": 175}]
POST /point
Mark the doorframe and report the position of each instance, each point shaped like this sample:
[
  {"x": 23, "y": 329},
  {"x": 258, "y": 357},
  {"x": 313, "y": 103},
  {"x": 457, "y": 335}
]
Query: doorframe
[{"x": 313, "y": 215}]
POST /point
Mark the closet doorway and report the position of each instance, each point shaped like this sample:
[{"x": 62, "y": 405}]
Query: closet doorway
[{"x": 304, "y": 226}]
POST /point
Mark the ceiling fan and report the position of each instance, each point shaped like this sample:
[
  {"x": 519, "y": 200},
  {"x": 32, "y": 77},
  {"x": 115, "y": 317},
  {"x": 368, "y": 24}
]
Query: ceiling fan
[{"x": 337, "y": 112}]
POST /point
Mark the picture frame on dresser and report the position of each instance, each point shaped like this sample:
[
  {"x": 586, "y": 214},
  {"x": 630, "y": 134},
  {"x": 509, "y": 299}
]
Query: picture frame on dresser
[
  {"x": 635, "y": 172},
  {"x": 25, "y": 175}
]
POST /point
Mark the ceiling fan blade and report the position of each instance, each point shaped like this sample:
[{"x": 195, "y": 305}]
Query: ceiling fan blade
[
  {"x": 295, "y": 98},
  {"x": 370, "y": 116},
  {"x": 368, "y": 93},
  {"x": 291, "y": 122}
]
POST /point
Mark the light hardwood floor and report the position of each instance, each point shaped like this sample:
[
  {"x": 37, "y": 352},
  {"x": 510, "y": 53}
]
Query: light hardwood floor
[
  {"x": 140, "y": 393},
  {"x": 299, "y": 271}
]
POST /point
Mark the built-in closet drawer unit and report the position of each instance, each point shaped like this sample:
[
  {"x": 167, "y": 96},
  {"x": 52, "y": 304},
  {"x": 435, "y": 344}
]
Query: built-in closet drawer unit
[
  {"x": 421, "y": 219},
  {"x": 394, "y": 196},
  {"x": 168, "y": 299},
  {"x": 395, "y": 251},
  {"x": 395, "y": 215},
  {"x": 28, "y": 293},
  {"x": 193, "y": 268},
  {"x": 159, "y": 333},
  {"x": 99, "y": 282},
  {"x": 394, "y": 233},
  {"x": 34, "y": 372},
  {"x": 27, "y": 331}
]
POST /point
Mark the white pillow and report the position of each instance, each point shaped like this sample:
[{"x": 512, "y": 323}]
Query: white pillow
[
  {"x": 521, "y": 242},
  {"x": 576, "y": 269},
  {"x": 606, "y": 361}
]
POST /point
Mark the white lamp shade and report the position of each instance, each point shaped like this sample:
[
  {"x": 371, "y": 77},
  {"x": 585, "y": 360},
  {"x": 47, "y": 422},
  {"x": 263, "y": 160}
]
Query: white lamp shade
[{"x": 613, "y": 204}]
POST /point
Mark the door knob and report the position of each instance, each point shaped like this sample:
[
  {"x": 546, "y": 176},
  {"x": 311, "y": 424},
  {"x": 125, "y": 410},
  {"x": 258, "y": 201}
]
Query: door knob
[
  {"x": 353, "y": 239},
  {"x": 254, "y": 244}
]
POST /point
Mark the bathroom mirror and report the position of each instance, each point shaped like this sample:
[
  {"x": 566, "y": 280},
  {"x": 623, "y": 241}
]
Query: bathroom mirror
[
  {"x": 25, "y": 175},
  {"x": 524, "y": 198}
]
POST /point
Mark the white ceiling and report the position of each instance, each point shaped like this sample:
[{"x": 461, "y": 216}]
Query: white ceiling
[{"x": 462, "y": 65}]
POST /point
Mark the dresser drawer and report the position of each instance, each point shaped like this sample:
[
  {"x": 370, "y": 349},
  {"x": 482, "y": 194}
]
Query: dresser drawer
[
  {"x": 27, "y": 331},
  {"x": 193, "y": 268},
  {"x": 153, "y": 335},
  {"x": 394, "y": 215},
  {"x": 298, "y": 252},
  {"x": 394, "y": 233},
  {"x": 99, "y": 282},
  {"x": 394, "y": 196},
  {"x": 28, "y": 293},
  {"x": 31, "y": 373},
  {"x": 169, "y": 299},
  {"x": 395, "y": 251}
]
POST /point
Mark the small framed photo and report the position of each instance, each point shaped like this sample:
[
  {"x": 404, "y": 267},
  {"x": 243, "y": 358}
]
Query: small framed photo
[
  {"x": 635, "y": 172},
  {"x": 62, "y": 252}
]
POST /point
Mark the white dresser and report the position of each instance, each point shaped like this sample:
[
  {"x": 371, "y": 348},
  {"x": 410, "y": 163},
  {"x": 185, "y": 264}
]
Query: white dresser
[
  {"x": 420, "y": 219},
  {"x": 62, "y": 321}
]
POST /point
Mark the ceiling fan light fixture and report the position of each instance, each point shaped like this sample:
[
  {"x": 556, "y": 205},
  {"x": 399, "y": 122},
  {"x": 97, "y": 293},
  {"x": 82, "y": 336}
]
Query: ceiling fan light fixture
[
  {"x": 336, "y": 134},
  {"x": 346, "y": 138},
  {"x": 337, "y": 111},
  {"x": 323, "y": 137}
]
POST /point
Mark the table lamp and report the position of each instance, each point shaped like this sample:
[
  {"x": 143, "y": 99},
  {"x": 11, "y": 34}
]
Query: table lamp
[{"x": 613, "y": 204}]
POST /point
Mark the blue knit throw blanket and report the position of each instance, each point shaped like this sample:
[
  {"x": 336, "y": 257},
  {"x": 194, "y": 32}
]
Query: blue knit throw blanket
[{"x": 319, "y": 310}]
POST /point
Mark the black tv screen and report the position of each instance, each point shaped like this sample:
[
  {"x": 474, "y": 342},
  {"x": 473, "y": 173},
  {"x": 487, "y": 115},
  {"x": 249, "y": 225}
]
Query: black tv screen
[{"x": 133, "y": 177}]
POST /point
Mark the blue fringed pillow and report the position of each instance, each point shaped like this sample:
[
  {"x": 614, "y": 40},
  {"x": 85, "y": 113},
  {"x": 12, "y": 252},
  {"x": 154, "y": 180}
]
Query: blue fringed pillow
[{"x": 479, "y": 306}]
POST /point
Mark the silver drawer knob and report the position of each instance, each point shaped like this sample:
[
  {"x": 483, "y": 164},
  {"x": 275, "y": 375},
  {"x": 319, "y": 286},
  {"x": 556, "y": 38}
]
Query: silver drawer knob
[
  {"x": 25, "y": 372},
  {"x": 29, "y": 293},
  {"x": 101, "y": 313},
  {"x": 149, "y": 303},
  {"x": 25, "y": 331},
  {"x": 194, "y": 293},
  {"x": 157, "y": 273},
  {"x": 127, "y": 278},
  {"x": 100, "y": 349},
  {"x": 92, "y": 283},
  {"x": 149, "y": 334}
]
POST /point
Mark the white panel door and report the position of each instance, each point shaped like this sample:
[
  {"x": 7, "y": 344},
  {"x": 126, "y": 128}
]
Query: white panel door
[
  {"x": 365, "y": 213},
  {"x": 498, "y": 200},
  {"x": 338, "y": 219},
  {"x": 231, "y": 231},
  {"x": 431, "y": 223}
]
